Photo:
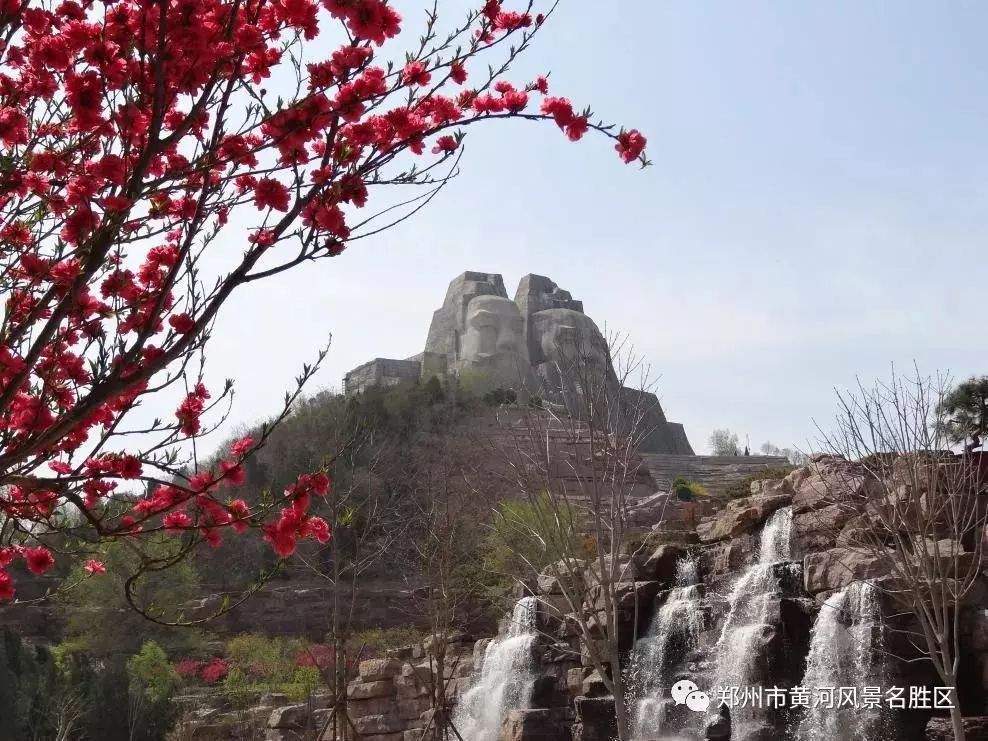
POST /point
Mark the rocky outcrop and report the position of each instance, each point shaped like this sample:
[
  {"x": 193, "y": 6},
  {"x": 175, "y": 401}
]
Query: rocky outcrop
[
  {"x": 570, "y": 699},
  {"x": 390, "y": 697},
  {"x": 482, "y": 335},
  {"x": 834, "y": 569},
  {"x": 940, "y": 729},
  {"x": 304, "y": 608},
  {"x": 542, "y": 724},
  {"x": 743, "y": 515}
]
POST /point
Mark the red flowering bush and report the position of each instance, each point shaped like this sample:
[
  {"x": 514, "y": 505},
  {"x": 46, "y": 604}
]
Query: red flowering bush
[
  {"x": 318, "y": 655},
  {"x": 215, "y": 670},
  {"x": 188, "y": 668},
  {"x": 131, "y": 134}
]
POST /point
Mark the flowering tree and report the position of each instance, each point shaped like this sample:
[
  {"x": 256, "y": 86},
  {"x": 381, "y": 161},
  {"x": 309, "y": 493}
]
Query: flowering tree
[{"x": 138, "y": 138}]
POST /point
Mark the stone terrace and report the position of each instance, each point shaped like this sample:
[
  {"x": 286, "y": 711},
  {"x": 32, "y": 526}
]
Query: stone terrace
[{"x": 715, "y": 472}]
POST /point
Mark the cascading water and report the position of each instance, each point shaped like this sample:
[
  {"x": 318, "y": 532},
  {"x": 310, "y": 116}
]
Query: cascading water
[
  {"x": 844, "y": 648},
  {"x": 749, "y": 610},
  {"x": 674, "y": 630},
  {"x": 504, "y": 679}
]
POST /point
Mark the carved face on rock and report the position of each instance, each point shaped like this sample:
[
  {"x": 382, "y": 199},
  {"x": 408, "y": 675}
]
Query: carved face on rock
[
  {"x": 572, "y": 357},
  {"x": 564, "y": 336},
  {"x": 494, "y": 340}
]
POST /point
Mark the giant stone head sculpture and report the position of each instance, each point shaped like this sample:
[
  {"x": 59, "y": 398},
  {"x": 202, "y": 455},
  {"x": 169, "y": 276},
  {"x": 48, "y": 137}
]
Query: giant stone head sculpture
[
  {"x": 570, "y": 355},
  {"x": 493, "y": 341},
  {"x": 561, "y": 336}
]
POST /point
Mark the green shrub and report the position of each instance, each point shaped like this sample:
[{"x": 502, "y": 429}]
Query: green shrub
[
  {"x": 500, "y": 397},
  {"x": 152, "y": 672},
  {"x": 305, "y": 680},
  {"x": 262, "y": 659},
  {"x": 687, "y": 490},
  {"x": 527, "y": 536}
]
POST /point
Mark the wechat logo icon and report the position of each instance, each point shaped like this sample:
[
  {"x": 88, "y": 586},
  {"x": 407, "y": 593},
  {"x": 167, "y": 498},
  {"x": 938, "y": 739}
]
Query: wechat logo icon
[{"x": 685, "y": 692}]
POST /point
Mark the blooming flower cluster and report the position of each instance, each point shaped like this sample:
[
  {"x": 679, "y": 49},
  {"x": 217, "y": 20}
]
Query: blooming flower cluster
[{"x": 130, "y": 134}]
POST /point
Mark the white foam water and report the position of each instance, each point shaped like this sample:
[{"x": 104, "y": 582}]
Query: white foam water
[
  {"x": 844, "y": 652},
  {"x": 749, "y": 618},
  {"x": 504, "y": 679},
  {"x": 750, "y": 600},
  {"x": 678, "y": 621}
]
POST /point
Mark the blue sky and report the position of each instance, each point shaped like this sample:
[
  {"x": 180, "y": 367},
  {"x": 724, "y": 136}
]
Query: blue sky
[{"x": 816, "y": 212}]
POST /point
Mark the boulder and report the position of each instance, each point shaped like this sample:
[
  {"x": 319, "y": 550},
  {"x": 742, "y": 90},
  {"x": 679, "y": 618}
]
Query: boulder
[
  {"x": 574, "y": 680},
  {"x": 940, "y": 729},
  {"x": 825, "y": 480},
  {"x": 661, "y": 563},
  {"x": 552, "y": 607},
  {"x": 854, "y": 533},
  {"x": 371, "y": 706},
  {"x": 546, "y": 693},
  {"x": 585, "y": 657},
  {"x": 627, "y": 568},
  {"x": 533, "y": 725},
  {"x": 593, "y": 685},
  {"x": 595, "y": 719},
  {"x": 370, "y": 725},
  {"x": 365, "y": 690},
  {"x": 374, "y": 670},
  {"x": 571, "y": 571},
  {"x": 728, "y": 556},
  {"x": 412, "y": 708},
  {"x": 216, "y": 731},
  {"x": 741, "y": 516},
  {"x": 292, "y": 717},
  {"x": 414, "y": 680},
  {"x": 771, "y": 486},
  {"x": 817, "y": 529},
  {"x": 718, "y": 727},
  {"x": 638, "y": 594},
  {"x": 836, "y": 568}
]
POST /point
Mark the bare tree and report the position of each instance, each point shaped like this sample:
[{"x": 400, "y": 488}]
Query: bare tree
[
  {"x": 68, "y": 715},
  {"x": 445, "y": 533},
  {"x": 923, "y": 505},
  {"x": 577, "y": 466},
  {"x": 363, "y": 512},
  {"x": 795, "y": 456}
]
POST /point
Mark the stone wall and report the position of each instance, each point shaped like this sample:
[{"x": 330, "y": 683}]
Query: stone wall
[
  {"x": 381, "y": 372},
  {"x": 715, "y": 472},
  {"x": 304, "y": 609}
]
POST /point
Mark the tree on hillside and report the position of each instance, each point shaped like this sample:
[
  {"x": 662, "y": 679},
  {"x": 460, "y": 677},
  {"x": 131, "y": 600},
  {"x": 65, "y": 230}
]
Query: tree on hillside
[
  {"x": 920, "y": 511},
  {"x": 28, "y": 687},
  {"x": 723, "y": 442},
  {"x": 965, "y": 412},
  {"x": 451, "y": 509},
  {"x": 105, "y": 657},
  {"x": 794, "y": 456},
  {"x": 365, "y": 515},
  {"x": 157, "y": 158}
]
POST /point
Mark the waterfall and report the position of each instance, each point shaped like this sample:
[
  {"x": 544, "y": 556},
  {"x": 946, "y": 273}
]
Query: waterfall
[
  {"x": 843, "y": 646},
  {"x": 504, "y": 679},
  {"x": 674, "y": 631},
  {"x": 749, "y": 615}
]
